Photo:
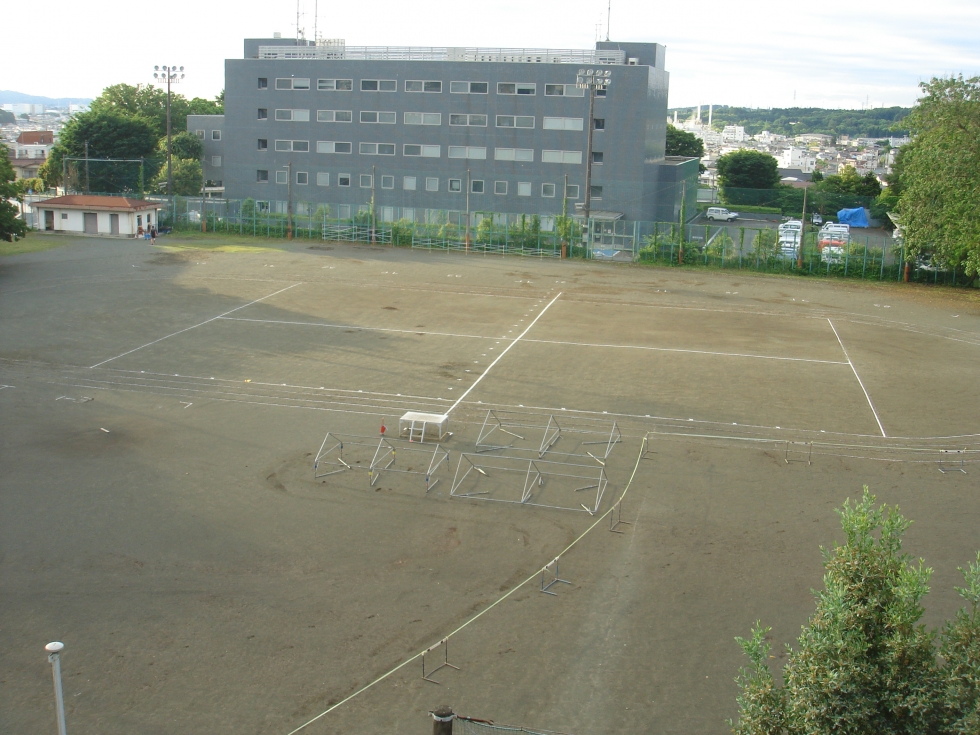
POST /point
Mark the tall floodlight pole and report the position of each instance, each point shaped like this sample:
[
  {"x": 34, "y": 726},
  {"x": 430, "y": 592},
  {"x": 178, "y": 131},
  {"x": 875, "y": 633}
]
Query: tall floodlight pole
[
  {"x": 171, "y": 74},
  {"x": 54, "y": 650},
  {"x": 592, "y": 80}
]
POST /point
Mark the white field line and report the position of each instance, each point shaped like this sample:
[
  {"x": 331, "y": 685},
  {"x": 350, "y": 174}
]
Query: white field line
[
  {"x": 503, "y": 352},
  {"x": 860, "y": 382},
  {"x": 187, "y": 329},
  {"x": 355, "y": 327}
]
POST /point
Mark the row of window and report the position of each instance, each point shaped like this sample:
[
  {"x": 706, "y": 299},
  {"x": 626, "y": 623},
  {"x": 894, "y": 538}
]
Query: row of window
[
  {"x": 428, "y": 118},
  {"x": 215, "y": 134},
  {"x": 431, "y": 183},
  {"x": 427, "y": 151},
  {"x": 424, "y": 85}
]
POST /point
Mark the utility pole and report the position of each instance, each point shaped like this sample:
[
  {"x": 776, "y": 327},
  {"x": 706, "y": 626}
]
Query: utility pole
[
  {"x": 54, "y": 650},
  {"x": 373, "y": 176},
  {"x": 86, "y": 168},
  {"x": 289, "y": 200},
  {"x": 592, "y": 80},
  {"x": 467, "y": 210},
  {"x": 172, "y": 75},
  {"x": 799, "y": 254}
]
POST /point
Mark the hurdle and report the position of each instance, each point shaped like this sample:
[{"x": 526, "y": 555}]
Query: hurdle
[
  {"x": 552, "y": 433},
  {"x": 615, "y": 437},
  {"x": 495, "y": 424},
  {"x": 336, "y": 445},
  {"x": 616, "y": 518},
  {"x": 536, "y": 473},
  {"x": 808, "y": 451},
  {"x": 546, "y": 588},
  {"x": 445, "y": 660},
  {"x": 944, "y": 462}
]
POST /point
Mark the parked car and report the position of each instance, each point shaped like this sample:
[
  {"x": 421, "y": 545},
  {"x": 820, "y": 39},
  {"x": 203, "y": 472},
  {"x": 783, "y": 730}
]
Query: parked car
[
  {"x": 929, "y": 262},
  {"x": 720, "y": 213},
  {"x": 834, "y": 235},
  {"x": 817, "y": 218},
  {"x": 790, "y": 232}
]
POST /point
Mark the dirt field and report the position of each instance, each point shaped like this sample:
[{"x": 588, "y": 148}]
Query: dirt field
[{"x": 159, "y": 514}]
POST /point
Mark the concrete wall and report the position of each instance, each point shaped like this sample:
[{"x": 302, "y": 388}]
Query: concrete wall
[
  {"x": 212, "y": 147},
  {"x": 74, "y": 220},
  {"x": 635, "y": 110}
]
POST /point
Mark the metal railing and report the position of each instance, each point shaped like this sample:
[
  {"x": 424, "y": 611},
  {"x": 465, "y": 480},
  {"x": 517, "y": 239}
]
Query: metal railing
[{"x": 445, "y": 53}]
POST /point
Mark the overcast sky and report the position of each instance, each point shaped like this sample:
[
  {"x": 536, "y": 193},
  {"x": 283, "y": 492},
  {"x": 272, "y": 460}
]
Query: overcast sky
[{"x": 826, "y": 54}]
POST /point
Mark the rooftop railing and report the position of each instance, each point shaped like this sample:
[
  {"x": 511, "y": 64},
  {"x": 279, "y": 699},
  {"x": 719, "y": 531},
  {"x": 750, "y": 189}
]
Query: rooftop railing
[{"x": 325, "y": 51}]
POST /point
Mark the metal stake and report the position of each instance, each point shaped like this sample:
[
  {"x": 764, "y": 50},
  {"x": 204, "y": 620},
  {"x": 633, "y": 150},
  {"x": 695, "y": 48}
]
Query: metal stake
[{"x": 54, "y": 650}]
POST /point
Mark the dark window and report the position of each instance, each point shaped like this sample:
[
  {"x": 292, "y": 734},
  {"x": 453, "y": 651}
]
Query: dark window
[
  {"x": 263, "y": 83},
  {"x": 596, "y": 157},
  {"x": 262, "y": 176},
  {"x": 596, "y": 192},
  {"x": 263, "y": 113},
  {"x": 369, "y": 85},
  {"x": 476, "y": 187},
  {"x": 263, "y": 144},
  {"x": 599, "y": 123},
  {"x": 600, "y": 93}
]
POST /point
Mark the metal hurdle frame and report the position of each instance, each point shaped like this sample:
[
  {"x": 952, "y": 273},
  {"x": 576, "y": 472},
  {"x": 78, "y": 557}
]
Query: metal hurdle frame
[
  {"x": 385, "y": 454},
  {"x": 952, "y": 468},
  {"x": 496, "y": 426},
  {"x": 338, "y": 444},
  {"x": 546, "y": 588},
  {"x": 615, "y": 437},
  {"x": 808, "y": 451},
  {"x": 445, "y": 660},
  {"x": 535, "y": 473}
]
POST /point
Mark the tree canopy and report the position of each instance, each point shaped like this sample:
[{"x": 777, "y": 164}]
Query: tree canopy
[
  {"x": 848, "y": 182},
  {"x": 683, "y": 143},
  {"x": 876, "y": 123},
  {"x": 939, "y": 205},
  {"x": 865, "y": 663},
  {"x": 10, "y": 225},
  {"x": 187, "y": 175},
  {"x": 183, "y": 145},
  {"x": 150, "y": 102}
]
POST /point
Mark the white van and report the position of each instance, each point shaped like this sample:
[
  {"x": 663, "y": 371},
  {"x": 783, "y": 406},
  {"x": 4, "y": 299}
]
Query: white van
[{"x": 717, "y": 213}]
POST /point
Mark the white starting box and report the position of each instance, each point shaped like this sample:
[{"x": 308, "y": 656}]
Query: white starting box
[{"x": 417, "y": 427}]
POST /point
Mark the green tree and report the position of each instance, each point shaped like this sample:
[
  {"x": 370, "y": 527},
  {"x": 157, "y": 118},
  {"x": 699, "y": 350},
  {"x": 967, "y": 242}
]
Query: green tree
[
  {"x": 7, "y": 117},
  {"x": 848, "y": 182},
  {"x": 187, "y": 175},
  {"x": 682, "y": 143},
  {"x": 865, "y": 663},
  {"x": 183, "y": 145},
  {"x": 201, "y": 106},
  {"x": 11, "y": 225},
  {"x": 940, "y": 200},
  {"x": 742, "y": 170},
  {"x": 110, "y": 134}
]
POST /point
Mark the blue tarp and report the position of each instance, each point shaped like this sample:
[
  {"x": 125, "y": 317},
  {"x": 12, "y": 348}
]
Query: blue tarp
[{"x": 853, "y": 217}]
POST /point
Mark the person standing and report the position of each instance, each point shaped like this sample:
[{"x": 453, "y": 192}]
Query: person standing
[{"x": 153, "y": 235}]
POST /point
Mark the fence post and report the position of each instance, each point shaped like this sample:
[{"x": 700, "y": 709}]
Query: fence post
[{"x": 442, "y": 720}]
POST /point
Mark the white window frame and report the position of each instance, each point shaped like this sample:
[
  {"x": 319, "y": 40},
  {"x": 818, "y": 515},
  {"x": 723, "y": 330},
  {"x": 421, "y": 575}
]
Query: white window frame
[
  {"x": 259, "y": 142},
  {"x": 258, "y": 178},
  {"x": 594, "y": 195},
  {"x": 292, "y": 115},
  {"x": 282, "y": 177},
  {"x": 410, "y": 183},
  {"x": 340, "y": 180},
  {"x": 567, "y": 90},
  {"x": 387, "y": 82},
  {"x": 469, "y": 119},
  {"x": 304, "y": 175},
  {"x": 601, "y": 158},
  {"x": 216, "y": 161},
  {"x": 454, "y": 88},
  {"x": 289, "y": 83},
  {"x": 529, "y": 89},
  {"x": 330, "y": 85},
  {"x": 474, "y": 152},
  {"x": 481, "y": 182},
  {"x": 432, "y": 183},
  {"x": 387, "y": 181},
  {"x": 523, "y": 188},
  {"x": 569, "y": 189},
  {"x": 374, "y": 149},
  {"x": 215, "y": 135},
  {"x": 323, "y": 178},
  {"x": 497, "y": 187},
  {"x": 566, "y": 157},
  {"x": 365, "y": 177},
  {"x": 455, "y": 186},
  {"x": 515, "y": 118},
  {"x": 563, "y": 123},
  {"x": 200, "y": 133},
  {"x": 291, "y": 148},
  {"x": 330, "y": 146},
  {"x": 423, "y": 82},
  {"x": 377, "y": 117},
  {"x": 330, "y": 116},
  {"x": 522, "y": 155},
  {"x": 543, "y": 191},
  {"x": 425, "y": 151},
  {"x": 424, "y": 118}
]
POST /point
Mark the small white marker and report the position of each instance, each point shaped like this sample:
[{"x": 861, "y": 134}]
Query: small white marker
[{"x": 105, "y": 430}]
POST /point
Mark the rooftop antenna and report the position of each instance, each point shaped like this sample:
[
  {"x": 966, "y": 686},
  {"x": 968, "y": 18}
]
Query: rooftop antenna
[
  {"x": 316, "y": 19},
  {"x": 608, "y": 13},
  {"x": 300, "y": 32}
]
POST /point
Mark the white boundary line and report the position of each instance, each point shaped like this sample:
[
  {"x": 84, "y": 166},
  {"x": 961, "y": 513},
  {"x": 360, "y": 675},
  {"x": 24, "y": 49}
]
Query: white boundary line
[
  {"x": 860, "y": 382},
  {"x": 186, "y": 329},
  {"x": 537, "y": 341},
  {"x": 503, "y": 352}
]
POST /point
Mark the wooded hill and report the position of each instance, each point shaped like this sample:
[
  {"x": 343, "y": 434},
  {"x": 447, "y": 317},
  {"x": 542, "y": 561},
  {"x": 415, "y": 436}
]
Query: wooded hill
[{"x": 876, "y": 123}]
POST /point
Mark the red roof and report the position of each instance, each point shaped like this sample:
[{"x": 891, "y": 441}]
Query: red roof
[
  {"x": 36, "y": 137},
  {"x": 91, "y": 201}
]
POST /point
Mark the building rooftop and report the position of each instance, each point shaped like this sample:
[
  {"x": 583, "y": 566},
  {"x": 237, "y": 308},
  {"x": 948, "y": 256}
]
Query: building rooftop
[
  {"x": 92, "y": 201},
  {"x": 36, "y": 137}
]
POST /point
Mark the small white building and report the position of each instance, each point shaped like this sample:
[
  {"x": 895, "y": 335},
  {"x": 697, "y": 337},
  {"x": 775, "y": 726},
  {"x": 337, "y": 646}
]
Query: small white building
[
  {"x": 96, "y": 215},
  {"x": 733, "y": 134},
  {"x": 798, "y": 158}
]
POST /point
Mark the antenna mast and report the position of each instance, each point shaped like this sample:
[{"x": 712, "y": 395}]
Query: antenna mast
[{"x": 608, "y": 13}]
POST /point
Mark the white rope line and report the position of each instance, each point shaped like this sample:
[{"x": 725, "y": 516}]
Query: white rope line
[
  {"x": 860, "y": 382},
  {"x": 503, "y": 352},
  {"x": 187, "y": 329},
  {"x": 357, "y": 328},
  {"x": 484, "y": 611}
]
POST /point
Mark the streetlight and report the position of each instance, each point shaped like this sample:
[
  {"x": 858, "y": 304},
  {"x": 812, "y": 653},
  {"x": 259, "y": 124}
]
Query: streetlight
[
  {"x": 592, "y": 80},
  {"x": 172, "y": 75},
  {"x": 54, "y": 650}
]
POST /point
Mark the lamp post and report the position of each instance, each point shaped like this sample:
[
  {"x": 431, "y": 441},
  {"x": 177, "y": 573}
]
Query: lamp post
[
  {"x": 54, "y": 650},
  {"x": 289, "y": 200},
  {"x": 592, "y": 80},
  {"x": 171, "y": 74}
]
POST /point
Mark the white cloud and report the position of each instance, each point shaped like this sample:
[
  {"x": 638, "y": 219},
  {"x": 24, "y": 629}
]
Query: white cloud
[{"x": 829, "y": 54}]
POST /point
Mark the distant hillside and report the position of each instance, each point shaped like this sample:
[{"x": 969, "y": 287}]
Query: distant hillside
[
  {"x": 875, "y": 123},
  {"x": 8, "y": 97}
]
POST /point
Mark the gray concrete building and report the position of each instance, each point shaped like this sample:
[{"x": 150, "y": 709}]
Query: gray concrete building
[{"x": 423, "y": 130}]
